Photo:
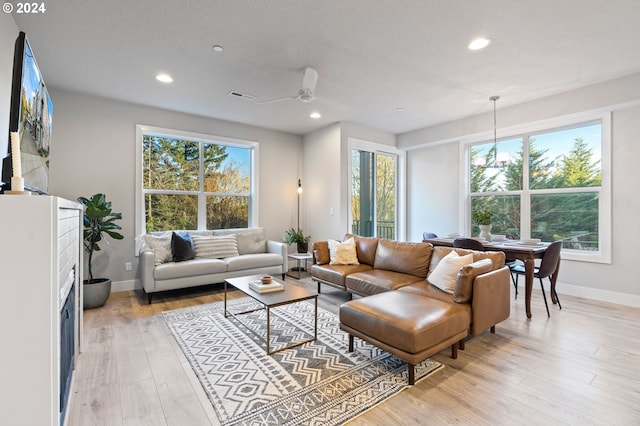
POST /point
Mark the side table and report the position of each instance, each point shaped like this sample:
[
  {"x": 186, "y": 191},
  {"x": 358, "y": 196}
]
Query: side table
[{"x": 299, "y": 257}]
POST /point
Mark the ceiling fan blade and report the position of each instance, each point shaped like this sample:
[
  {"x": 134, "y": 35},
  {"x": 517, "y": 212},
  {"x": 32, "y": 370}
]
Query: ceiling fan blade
[
  {"x": 271, "y": 101},
  {"x": 309, "y": 79}
]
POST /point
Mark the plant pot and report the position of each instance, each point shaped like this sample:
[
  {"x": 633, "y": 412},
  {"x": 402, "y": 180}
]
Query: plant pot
[
  {"x": 302, "y": 247},
  {"x": 485, "y": 232},
  {"x": 96, "y": 293}
]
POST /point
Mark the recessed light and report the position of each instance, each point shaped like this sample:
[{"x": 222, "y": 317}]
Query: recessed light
[
  {"x": 218, "y": 48},
  {"x": 315, "y": 115},
  {"x": 479, "y": 43},
  {"x": 165, "y": 78},
  {"x": 399, "y": 109}
]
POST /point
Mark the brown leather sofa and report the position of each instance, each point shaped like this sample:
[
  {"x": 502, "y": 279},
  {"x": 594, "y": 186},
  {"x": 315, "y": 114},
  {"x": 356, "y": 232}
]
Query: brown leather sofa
[{"x": 400, "y": 311}]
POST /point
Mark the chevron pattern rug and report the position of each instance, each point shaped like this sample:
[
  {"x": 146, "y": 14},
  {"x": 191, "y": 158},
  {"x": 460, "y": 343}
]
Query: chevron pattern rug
[{"x": 318, "y": 383}]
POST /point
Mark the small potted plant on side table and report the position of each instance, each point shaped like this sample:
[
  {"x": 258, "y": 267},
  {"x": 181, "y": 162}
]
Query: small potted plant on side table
[
  {"x": 296, "y": 236},
  {"x": 98, "y": 220}
]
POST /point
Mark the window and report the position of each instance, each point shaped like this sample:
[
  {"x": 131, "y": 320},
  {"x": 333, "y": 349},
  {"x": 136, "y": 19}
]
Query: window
[
  {"x": 552, "y": 184},
  {"x": 374, "y": 191},
  {"x": 189, "y": 181}
]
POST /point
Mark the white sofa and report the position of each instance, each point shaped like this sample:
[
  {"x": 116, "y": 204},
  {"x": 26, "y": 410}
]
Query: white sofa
[{"x": 256, "y": 255}]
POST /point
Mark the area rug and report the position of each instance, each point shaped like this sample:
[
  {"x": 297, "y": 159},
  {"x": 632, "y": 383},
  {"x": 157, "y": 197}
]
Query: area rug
[{"x": 318, "y": 383}]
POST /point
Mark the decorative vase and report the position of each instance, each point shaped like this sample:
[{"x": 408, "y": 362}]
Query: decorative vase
[
  {"x": 485, "y": 232},
  {"x": 96, "y": 293}
]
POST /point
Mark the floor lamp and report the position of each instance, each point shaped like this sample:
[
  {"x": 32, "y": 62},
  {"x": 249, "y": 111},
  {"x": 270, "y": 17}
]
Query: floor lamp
[{"x": 299, "y": 192}]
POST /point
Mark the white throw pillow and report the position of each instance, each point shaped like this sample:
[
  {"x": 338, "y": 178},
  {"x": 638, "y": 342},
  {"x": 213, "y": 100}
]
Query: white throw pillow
[
  {"x": 159, "y": 245},
  {"x": 445, "y": 274},
  {"x": 215, "y": 247},
  {"x": 343, "y": 253}
]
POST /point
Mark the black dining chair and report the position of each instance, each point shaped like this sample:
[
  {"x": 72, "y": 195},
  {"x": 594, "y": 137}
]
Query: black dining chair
[
  {"x": 468, "y": 243},
  {"x": 545, "y": 270},
  {"x": 427, "y": 235}
]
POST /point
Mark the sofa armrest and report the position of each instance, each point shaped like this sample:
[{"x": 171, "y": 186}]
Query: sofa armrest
[
  {"x": 281, "y": 249},
  {"x": 147, "y": 264},
  {"x": 491, "y": 301}
]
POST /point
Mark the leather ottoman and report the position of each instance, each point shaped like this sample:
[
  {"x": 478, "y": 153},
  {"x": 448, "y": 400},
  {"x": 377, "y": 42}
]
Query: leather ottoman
[{"x": 409, "y": 326}]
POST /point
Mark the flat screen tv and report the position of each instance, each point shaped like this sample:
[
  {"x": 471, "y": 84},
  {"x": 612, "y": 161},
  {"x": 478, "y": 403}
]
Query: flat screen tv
[{"x": 30, "y": 115}]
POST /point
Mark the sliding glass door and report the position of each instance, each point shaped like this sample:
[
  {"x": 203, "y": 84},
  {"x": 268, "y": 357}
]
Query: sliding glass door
[{"x": 374, "y": 193}]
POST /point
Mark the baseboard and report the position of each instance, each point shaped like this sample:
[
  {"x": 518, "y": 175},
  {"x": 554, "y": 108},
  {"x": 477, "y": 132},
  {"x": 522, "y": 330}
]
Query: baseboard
[
  {"x": 591, "y": 293},
  {"x": 127, "y": 285}
]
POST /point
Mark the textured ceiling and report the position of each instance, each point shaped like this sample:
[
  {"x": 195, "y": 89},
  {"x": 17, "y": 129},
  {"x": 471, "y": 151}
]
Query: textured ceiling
[{"x": 372, "y": 56}]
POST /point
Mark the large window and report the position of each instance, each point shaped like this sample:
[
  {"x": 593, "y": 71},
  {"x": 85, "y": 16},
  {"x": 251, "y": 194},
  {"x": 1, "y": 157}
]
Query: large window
[
  {"x": 189, "y": 181},
  {"x": 375, "y": 191},
  {"x": 547, "y": 184}
]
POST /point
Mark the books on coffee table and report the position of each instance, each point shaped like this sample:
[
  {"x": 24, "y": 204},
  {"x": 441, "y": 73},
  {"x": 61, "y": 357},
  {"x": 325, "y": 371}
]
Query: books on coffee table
[{"x": 265, "y": 288}]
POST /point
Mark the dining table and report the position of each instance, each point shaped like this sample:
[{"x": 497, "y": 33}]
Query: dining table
[{"x": 515, "y": 249}]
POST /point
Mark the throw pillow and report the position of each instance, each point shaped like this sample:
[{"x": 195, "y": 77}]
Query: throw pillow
[
  {"x": 446, "y": 272},
  {"x": 464, "y": 281},
  {"x": 343, "y": 253},
  {"x": 215, "y": 247},
  {"x": 321, "y": 252},
  {"x": 159, "y": 245},
  {"x": 182, "y": 247}
]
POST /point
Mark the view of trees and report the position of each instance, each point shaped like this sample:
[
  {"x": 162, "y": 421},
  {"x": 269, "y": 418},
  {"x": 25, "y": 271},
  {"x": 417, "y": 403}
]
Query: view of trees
[
  {"x": 175, "y": 177},
  {"x": 559, "y": 213}
]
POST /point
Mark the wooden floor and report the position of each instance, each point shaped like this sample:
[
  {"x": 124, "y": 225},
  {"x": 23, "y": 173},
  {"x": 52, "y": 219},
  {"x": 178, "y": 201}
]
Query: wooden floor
[{"x": 579, "y": 367}]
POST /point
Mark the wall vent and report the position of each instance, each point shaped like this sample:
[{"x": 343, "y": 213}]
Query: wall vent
[{"x": 246, "y": 96}]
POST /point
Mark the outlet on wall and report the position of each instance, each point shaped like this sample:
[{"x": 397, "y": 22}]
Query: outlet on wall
[{"x": 128, "y": 266}]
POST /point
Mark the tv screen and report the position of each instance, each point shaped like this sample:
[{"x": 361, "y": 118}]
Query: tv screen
[{"x": 30, "y": 116}]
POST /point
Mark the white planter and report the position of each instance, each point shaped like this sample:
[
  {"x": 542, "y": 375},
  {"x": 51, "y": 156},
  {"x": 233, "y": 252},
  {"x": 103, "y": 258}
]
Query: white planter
[{"x": 485, "y": 232}]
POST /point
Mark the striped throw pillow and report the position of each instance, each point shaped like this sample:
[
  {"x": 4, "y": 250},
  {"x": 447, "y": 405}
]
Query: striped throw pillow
[{"x": 215, "y": 247}]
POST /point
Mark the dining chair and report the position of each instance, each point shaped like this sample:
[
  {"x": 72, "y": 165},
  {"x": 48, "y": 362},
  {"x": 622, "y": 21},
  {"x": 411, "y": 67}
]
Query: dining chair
[
  {"x": 427, "y": 235},
  {"x": 468, "y": 243},
  {"x": 546, "y": 269}
]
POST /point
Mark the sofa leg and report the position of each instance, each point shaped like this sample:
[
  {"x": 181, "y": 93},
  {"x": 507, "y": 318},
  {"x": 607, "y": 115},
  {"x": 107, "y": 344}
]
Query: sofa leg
[
  {"x": 284, "y": 276},
  {"x": 350, "y": 343},
  {"x": 318, "y": 287},
  {"x": 493, "y": 329},
  {"x": 454, "y": 351},
  {"x": 149, "y": 296},
  {"x": 461, "y": 345},
  {"x": 412, "y": 374}
]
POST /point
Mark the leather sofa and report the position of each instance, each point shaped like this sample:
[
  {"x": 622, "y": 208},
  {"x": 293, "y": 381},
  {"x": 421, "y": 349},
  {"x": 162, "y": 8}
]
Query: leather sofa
[
  {"x": 256, "y": 255},
  {"x": 400, "y": 311}
]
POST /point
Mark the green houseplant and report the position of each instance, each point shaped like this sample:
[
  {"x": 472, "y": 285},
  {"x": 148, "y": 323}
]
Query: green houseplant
[
  {"x": 296, "y": 236},
  {"x": 482, "y": 217},
  {"x": 99, "y": 220}
]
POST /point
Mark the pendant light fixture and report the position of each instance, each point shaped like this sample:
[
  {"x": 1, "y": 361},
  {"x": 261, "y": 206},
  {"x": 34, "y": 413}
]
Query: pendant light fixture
[{"x": 500, "y": 159}]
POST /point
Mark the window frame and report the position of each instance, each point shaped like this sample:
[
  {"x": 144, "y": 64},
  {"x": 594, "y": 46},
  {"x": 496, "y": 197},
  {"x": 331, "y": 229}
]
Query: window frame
[
  {"x": 603, "y": 255},
  {"x": 401, "y": 160},
  {"x": 141, "y": 130}
]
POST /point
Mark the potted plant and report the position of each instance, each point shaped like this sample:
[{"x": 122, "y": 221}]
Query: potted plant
[
  {"x": 293, "y": 235},
  {"x": 99, "y": 220},
  {"x": 482, "y": 217}
]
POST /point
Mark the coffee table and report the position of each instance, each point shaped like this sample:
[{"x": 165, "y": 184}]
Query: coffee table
[{"x": 290, "y": 294}]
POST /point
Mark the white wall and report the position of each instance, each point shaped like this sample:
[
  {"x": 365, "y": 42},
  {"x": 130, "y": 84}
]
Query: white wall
[
  {"x": 8, "y": 34},
  {"x": 93, "y": 150},
  {"x": 436, "y": 165}
]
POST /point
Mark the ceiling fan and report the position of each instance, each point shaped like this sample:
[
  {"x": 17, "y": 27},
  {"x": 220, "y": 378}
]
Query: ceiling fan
[{"x": 307, "y": 92}]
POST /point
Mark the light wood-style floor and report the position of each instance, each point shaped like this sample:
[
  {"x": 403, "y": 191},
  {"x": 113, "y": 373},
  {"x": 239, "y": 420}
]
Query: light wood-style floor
[{"x": 579, "y": 367}]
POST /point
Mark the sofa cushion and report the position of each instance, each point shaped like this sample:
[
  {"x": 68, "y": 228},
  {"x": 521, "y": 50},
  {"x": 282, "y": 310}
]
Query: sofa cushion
[
  {"x": 182, "y": 247},
  {"x": 189, "y": 268},
  {"x": 410, "y": 324},
  {"x": 423, "y": 288},
  {"x": 251, "y": 261},
  {"x": 336, "y": 273},
  {"x": 497, "y": 257},
  {"x": 343, "y": 253},
  {"x": 215, "y": 247},
  {"x": 446, "y": 271},
  {"x": 404, "y": 257},
  {"x": 159, "y": 245},
  {"x": 365, "y": 248},
  {"x": 321, "y": 252},
  {"x": 464, "y": 281},
  {"x": 250, "y": 240},
  {"x": 378, "y": 281}
]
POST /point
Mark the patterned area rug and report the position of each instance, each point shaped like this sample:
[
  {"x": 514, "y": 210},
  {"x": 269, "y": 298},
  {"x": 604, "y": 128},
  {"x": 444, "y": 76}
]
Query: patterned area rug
[{"x": 318, "y": 383}]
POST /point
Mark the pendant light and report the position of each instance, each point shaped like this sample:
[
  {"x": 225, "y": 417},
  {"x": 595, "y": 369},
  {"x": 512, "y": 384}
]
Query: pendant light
[{"x": 500, "y": 160}]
